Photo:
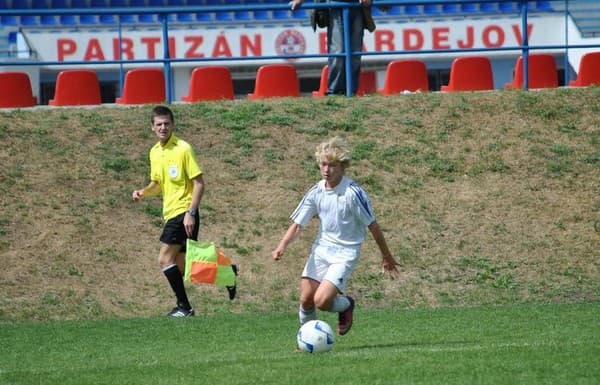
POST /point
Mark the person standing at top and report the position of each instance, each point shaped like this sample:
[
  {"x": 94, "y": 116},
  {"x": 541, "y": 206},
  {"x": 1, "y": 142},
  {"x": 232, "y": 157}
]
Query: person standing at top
[
  {"x": 359, "y": 20},
  {"x": 345, "y": 213},
  {"x": 174, "y": 173}
]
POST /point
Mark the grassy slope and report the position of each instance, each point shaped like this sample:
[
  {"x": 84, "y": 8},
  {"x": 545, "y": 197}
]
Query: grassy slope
[{"x": 484, "y": 198}]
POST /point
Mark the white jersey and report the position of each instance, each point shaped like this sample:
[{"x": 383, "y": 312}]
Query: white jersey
[{"x": 344, "y": 211}]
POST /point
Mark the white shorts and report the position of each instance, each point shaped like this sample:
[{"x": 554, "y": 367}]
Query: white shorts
[{"x": 332, "y": 263}]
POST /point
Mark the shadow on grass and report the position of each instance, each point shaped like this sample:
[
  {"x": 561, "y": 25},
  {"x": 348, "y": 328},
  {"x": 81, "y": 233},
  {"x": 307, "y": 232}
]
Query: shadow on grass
[{"x": 426, "y": 347}]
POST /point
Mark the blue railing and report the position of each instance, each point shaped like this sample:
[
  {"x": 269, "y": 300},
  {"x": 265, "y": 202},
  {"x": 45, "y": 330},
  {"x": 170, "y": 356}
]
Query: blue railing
[{"x": 166, "y": 60}]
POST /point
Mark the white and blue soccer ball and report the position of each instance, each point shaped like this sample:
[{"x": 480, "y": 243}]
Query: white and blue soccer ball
[{"x": 315, "y": 337}]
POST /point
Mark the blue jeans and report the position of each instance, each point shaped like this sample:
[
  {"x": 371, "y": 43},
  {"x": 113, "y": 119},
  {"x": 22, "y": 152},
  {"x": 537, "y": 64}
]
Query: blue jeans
[{"x": 336, "y": 83}]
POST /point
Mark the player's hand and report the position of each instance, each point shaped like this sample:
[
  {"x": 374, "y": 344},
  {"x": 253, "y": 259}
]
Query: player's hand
[
  {"x": 276, "y": 254},
  {"x": 189, "y": 221},
  {"x": 137, "y": 195},
  {"x": 390, "y": 266}
]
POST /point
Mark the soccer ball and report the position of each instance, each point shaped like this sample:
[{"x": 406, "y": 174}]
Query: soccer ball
[{"x": 315, "y": 337}]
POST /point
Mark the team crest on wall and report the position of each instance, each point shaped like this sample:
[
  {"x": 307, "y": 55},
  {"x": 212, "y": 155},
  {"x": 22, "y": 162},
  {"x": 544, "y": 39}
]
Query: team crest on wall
[{"x": 290, "y": 42}]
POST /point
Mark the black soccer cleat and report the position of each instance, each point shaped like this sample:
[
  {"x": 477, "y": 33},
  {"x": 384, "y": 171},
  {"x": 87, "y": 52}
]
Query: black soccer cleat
[{"x": 179, "y": 312}]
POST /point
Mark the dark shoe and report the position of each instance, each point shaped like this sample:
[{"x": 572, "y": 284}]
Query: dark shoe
[
  {"x": 179, "y": 312},
  {"x": 345, "y": 318},
  {"x": 232, "y": 289}
]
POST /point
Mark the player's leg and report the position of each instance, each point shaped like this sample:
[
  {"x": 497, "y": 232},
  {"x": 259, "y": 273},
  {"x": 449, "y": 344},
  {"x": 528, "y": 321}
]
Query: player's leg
[
  {"x": 312, "y": 274},
  {"x": 329, "y": 297},
  {"x": 168, "y": 259},
  {"x": 325, "y": 295},
  {"x": 180, "y": 261},
  {"x": 308, "y": 310},
  {"x": 172, "y": 262}
]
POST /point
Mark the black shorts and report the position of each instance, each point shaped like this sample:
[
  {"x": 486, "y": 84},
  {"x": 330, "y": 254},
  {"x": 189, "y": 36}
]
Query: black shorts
[{"x": 174, "y": 232}]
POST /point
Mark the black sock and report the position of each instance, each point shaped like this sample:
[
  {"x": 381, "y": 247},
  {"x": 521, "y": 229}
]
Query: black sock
[
  {"x": 232, "y": 289},
  {"x": 175, "y": 279}
]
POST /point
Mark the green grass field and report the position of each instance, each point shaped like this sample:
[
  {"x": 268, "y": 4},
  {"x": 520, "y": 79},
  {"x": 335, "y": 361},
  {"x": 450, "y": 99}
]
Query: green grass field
[{"x": 538, "y": 344}]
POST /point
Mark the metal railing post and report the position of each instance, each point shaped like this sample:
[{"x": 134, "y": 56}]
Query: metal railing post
[
  {"x": 121, "y": 70},
  {"x": 525, "y": 44},
  {"x": 167, "y": 57},
  {"x": 566, "y": 58},
  {"x": 347, "y": 49}
]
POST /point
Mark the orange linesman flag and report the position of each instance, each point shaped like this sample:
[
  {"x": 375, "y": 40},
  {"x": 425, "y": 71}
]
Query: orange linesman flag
[{"x": 206, "y": 263}]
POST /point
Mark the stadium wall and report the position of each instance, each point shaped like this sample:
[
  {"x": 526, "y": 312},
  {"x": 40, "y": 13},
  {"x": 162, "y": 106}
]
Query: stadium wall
[{"x": 436, "y": 41}]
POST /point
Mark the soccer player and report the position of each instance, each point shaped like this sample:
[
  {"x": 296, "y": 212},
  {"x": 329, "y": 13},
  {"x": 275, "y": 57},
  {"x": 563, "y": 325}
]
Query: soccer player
[
  {"x": 175, "y": 173},
  {"x": 345, "y": 212}
]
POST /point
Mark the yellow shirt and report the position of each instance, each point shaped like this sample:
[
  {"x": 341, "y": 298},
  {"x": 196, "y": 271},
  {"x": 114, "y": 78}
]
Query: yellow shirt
[{"x": 173, "y": 166}]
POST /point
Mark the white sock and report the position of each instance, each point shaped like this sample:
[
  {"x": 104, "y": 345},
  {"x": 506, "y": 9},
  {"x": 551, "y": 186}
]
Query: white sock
[
  {"x": 340, "y": 303},
  {"x": 307, "y": 315}
]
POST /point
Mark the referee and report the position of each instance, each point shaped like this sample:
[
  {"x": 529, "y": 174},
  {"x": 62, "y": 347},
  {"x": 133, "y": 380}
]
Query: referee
[{"x": 175, "y": 173}]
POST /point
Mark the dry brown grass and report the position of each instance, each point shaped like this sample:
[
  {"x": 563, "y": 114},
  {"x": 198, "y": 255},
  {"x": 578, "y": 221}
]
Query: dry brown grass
[{"x": 485, "y": 198}]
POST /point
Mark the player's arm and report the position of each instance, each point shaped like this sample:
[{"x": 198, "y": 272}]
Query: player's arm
[
  {"x": 152, "y": 189},
  {"x": 197, "y": 192},
  {"x": 389, "y": 263},
  {"x": 292, "y": 233}
]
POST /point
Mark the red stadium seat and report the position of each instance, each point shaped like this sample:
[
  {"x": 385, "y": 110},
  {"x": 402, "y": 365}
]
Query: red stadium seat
[
  {"x": 276, "y": 80},
  {"x": 542, "y": 72},
  {"x": 366, "y": 83},
  {"x": 322, "y": 83},
  {"x": 589, "y": 70},
  {"x": 16, "y": 90},
  {"x": 210, "y": 83},
  {"x": 76, "y": 88},
  {"x": 470, "y": 73},
  {"x": 143, "y": 86},
  {"x": 405, "y": 75}
]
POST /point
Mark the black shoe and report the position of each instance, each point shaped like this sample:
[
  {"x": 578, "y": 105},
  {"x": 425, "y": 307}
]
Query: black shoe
[
  {"x": 179, "y": 312},
  {"x": 232, "y": 289}
]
